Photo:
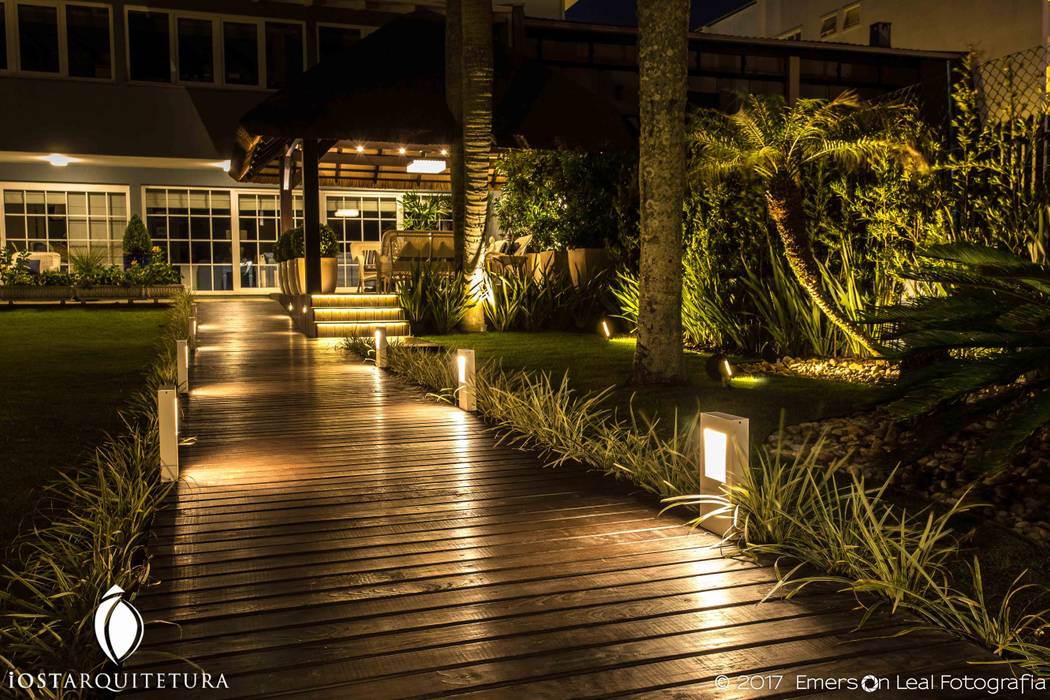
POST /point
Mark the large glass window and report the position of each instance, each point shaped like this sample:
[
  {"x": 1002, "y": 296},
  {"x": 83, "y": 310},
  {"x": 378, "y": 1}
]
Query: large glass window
[
  {"x": 87, "y": 38},
  {"x": 259, "y": 220},
  {"x": 38, "y": 38},
  {"x": 331, "y": 41},
  {"x": 3, "y": 38},
  {"x": 284, "y": 53},
  {"x": 359, "y": 222},
  {"x": 241, "y": 53},
  {"x": 149, "y": 47},
  {"x": 193, "y": 227},
  {"x": 196, "y": 56},
  {"x": 66, "y": 222}
]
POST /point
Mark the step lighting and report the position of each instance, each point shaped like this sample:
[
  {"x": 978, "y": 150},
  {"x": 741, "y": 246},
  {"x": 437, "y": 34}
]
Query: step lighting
[{"x": 426, "y": 166}]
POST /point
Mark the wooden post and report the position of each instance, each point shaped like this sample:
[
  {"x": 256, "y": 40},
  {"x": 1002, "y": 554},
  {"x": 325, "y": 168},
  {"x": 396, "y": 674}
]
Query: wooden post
[
  {"x": 791, "y": 84},
  {"x": 311, "y": 217},
  {"x": 287, "y": 201}
]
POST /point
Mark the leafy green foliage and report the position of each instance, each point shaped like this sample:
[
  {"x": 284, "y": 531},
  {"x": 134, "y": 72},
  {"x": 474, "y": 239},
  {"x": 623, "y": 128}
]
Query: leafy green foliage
[
  {"x": 989, "y": 330},
  {"x": 292, "y": 243},
  {"x": 426, "y": 212},
  {"x": 433, "y": 300},
  {"x": 570, "y": 200},
  {"x": 136, "y": 238},
  {"x": 519, "y": 300}
]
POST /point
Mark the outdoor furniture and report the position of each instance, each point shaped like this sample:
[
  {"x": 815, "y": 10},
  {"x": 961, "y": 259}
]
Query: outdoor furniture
[
  {"x": 507, "y": 254},
  {"x": 367, "y": 269},
  {"x": 401, "y": 251},
  {"x": 45, "y": 262}
]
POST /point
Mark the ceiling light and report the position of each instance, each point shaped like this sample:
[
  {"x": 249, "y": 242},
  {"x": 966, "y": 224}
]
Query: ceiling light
[
  {"x": 224, "y": 165},
  {"x": 58, "y": 160},
  {"x": 347, "y": 213},
  {"x": 401, "y": 150},
  {"x": 444, "y": 151},
  {"x": 360, "y": 149},
  {"x": 426, "y": 166}
]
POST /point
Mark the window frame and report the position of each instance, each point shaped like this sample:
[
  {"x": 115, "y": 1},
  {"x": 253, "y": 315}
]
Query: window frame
[
  {"x": 834, "y": 17},
  {"x": 216, "y": 47},
  {"x": 793, "y": 34},
  {"x": 9, "y": 57},
  {"x": 14, "y": 40},
  {"x": 172, "y": 73},
  {"x": 845, "y": 15}
]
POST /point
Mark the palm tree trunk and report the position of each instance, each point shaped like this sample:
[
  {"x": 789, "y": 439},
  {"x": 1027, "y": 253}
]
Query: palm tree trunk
[
  {"x": 454, "y": 98},
  {"x": 662, "y": 62},
  {"x": 784, "y": 199},
  {"x": 477, "y": 146}
]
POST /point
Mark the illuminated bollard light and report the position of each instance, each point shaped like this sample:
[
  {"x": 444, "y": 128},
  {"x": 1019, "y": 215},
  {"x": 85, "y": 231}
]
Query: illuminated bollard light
[
  {"x": 168, "y": 428},
  {"x": 193, "y": 330},
  {"x": 724, "y": 460},
  {"x": 465, "y": 378},
  {"x": 606, "y": 329},
  {"x": 382, "y": 349},
  {"x": 182, "y": 365}
]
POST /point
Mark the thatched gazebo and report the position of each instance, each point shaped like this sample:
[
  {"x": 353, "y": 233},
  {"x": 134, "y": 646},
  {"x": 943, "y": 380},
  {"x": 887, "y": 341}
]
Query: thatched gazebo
[{"x": 361, "y": 118}]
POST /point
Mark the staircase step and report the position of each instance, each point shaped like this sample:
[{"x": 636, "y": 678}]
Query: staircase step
[
  {"x": 361, "y": 329},
  {"x": 354, "y": 301},
  {"x": 374, "y": 313}
]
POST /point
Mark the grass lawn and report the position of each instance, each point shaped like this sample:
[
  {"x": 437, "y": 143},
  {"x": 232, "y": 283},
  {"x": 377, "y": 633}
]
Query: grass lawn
[
  {"x": 64, "y": 374},
  {"x": 594, "y": 364}
]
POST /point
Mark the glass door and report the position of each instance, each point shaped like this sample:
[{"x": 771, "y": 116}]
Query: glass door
[{"x": 258, "y": 227}]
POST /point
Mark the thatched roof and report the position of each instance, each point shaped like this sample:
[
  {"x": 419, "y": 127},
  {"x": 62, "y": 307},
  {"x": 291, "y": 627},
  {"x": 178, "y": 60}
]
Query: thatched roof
[{"x": 389, "y": 88}]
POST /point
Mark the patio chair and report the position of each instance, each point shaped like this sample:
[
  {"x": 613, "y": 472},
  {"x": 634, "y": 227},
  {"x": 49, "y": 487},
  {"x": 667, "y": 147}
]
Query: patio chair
[
  {"x": 400, "y": 251},
  {"x": 367, "y": 269}
]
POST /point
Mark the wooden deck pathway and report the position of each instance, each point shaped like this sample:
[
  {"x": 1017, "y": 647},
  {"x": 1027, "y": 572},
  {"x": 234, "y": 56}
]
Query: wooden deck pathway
[{"x": 337, "y": 535}]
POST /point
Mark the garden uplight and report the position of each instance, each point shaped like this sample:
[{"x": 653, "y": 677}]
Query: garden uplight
[
  {"x": 182, "y": 365},
  {"x": 724, "y": 460},
  {"x": 465, "y": 378},
  {"x": 168, "y": 432},
  {"x": 382, "y": 348},
  {"x": 726, "y": 370},
  {"x": 606, "y": 329}
]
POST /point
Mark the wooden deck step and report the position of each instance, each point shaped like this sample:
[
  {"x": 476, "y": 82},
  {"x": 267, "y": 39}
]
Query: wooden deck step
[
  {"x": 354, "y": 300},
  {"x": 365, "y": 313},
  {"x": 361, "y": 329}
]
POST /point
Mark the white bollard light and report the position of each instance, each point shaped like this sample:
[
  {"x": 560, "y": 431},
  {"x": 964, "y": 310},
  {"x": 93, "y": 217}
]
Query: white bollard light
[
  {"x": 168, "y": 427},
  {"x": 182, "y": 365},
  {"x": 724, "y": 460},
  {"x": 382, "y": 348},
  {"x": 465, "y": 379},
  {"x": 193, "y": 331}
]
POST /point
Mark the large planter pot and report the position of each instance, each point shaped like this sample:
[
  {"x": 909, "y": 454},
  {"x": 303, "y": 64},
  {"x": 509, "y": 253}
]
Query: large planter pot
[
  {"x": 329, "y": 274},
  {"x": 163, "y": 291},
  {"x": 299, "y": 278},
  {"x": 585, "y": 263},
  {"x": 286, "y": 278},
  {"x": 545, "y": 263},
  {"x": 27, "y": 293}
]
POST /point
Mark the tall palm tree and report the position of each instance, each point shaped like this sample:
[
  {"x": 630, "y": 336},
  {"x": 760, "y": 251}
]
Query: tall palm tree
[
  {"x": 469, "y": 73},
  {"x": 777, "y": 143},
  {"x": 663, "y": 27}
]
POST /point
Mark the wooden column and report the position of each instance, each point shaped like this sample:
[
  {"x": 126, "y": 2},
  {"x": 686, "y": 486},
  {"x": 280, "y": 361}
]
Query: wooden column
[
  {"x": 287, "y": 201},
  {"x": 311, "y": 216},
  {"x": 791, "y": 83}
]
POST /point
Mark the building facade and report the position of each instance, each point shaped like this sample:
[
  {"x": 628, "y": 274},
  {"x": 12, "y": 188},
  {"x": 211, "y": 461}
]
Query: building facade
[
  {"x": 994, "y": 28},
  {"x": 115, "y": 108}
]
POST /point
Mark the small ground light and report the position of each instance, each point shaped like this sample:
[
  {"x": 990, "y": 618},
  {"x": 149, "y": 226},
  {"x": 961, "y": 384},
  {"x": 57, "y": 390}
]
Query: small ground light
[
  {"x": 465, "y": 379},
  {"x": 305, "y": 308},
  {"x": 719, "y": 367},
  {"x": 724, "y": 460},
  {"x": 606, "y": 329},
  {"x": 382, "y": 348},
  {"x": 168, "y": 432},
  {"x": 182, "y": 365},
  {"x": 290, "y": 307},
  {"x": 726, "y": 370}
]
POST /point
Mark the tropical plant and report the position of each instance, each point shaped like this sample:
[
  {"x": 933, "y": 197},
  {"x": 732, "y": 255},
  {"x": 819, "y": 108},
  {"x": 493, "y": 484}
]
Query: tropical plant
[
  {"x": 781, "y": 145},
  {"x": 425, "y": 212},
  {"x": 433, "y": 300},
  {"x": 663, "y": 64},
  {"x": 137, "y": 242},
  {"x": 14, "y": 270},
  {"x": 503, "y": 302},
  {"x": 86, "y": 263},
  {"x": 989, "y": 330}
]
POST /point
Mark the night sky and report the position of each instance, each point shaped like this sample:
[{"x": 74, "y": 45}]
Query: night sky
[{"x": 622, "y": 11}]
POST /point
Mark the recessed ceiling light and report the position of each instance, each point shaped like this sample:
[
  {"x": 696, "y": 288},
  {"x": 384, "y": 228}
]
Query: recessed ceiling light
[
  {"x": 360, "y": 149},
  {"x": 401, "y": 150},
  {"x": 444, "y": 151},
  {"x": 58, "y": 160},
  {"x": 426, "y": 166}
]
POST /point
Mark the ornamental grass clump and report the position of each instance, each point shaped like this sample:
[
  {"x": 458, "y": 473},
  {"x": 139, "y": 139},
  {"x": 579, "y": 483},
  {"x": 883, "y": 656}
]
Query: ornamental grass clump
[{"x": 92, "y": 537}]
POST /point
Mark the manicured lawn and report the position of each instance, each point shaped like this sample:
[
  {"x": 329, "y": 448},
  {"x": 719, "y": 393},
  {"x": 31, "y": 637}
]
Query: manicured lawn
[
  {"x": 594, "y": 364},
  {"x": 64, "y": 374}
]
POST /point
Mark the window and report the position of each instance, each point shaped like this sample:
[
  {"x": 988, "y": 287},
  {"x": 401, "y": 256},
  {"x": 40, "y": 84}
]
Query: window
[
  {"x": 193, "y": 228},
  {"x": 284, "y": 53},
  {"x": 851, "y": 17},
  {"x": 793, "y": 35},
  {"x": 241, "y": 53},
  {"x": 375, "y": 214},
  {"x": 259, "y": 220},
  {"x": 38, "y": 38},
  {"x": 87, "y": 40},
  {"x": 829, "y": 25},
  {"x": 3, "y": 38},
  {"x": 66, "y": 222},
  {"x": 196, "y": 53},
  {"x": 331, "y": 40},
  {"x": 149, "y": 47}
]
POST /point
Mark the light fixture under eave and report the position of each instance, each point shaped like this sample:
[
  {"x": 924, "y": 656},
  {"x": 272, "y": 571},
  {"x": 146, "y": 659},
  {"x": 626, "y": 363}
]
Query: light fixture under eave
[
  {"x": 224, "y": 165},
  {"x": 426, "y": 166},
  {"x": 360, "y": 149},
  {"x": 347, "y": 213},
  {"x": 58, "y": 160}
]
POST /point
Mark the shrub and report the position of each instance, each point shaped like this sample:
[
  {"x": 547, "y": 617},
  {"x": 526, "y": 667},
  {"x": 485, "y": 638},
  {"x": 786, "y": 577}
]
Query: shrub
[
  {"x": 292, "y": 243},
  {"x": 136, "y": 238},
  {"x": 434, "y": 301}
]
